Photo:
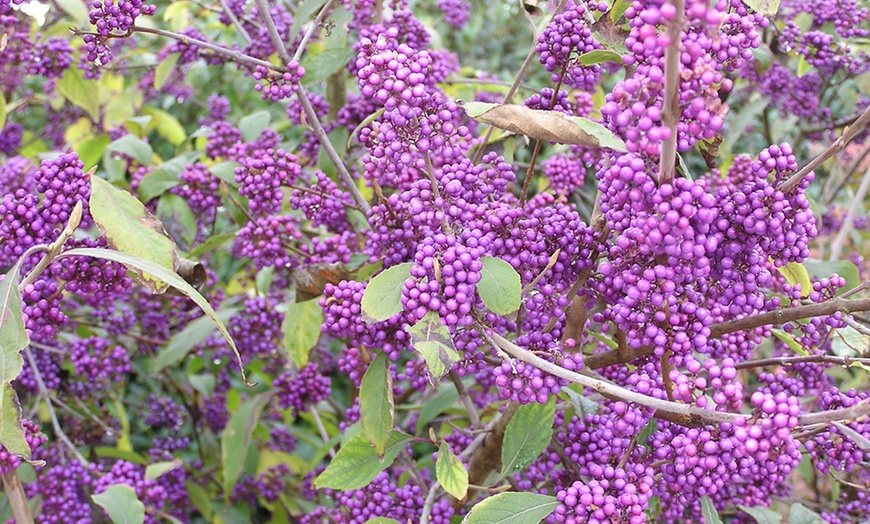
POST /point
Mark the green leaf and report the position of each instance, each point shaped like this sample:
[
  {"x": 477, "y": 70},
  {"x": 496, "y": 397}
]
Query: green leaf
[
  {"x": 803, "y": 66},
  {"x": 708, "y": 511},
  {"x": 600, "y": 56},
  {"x": 582, "y": 405},
  {"x": 11, "y": 431},
  {"x": 76, "y": 9},
  {"x": 451, "y": 473},
  {"x": 164, "y": 69},
  {"x": 376, "y": 405},
  {"x": 512, "y": 508},
  {"x": 91, "y": 150},
  {"x": 436, "y": 405},
  {"x": 825, "y": 268},
  {"x": 618, "y": 9},
  {"x": 301, "y": 328},
  {"x": 381, "y": 520},
  {"x": 320, "y": 66},
  {"x": 356, "y": 464},
  {"x": 499, "y": 286},
  {"x": 80, "y": 91},
  {"x": 252, "y": 126},
  {"x": 132, "y": 229},
  {"x": 177, "y": 218},
  {"x": 210, "y": 244},
  {"x": 3, "y": 111},
  {"x": 171, "y": 278},
  {"x": 651, "y": 426},
  {"x": 795, "y": 273},
  {"x": 226, "y": 171},
  {"x": 761, "y": 514},
  {"x": 134, "y": 147},
  {"x": 236, "y": 438},
  {"x": 432, "y": 340},
  {"x": 800, "y": 514},
  {"x": 120, "y": 502},
  {"x": 849, "y": 342},
  {"x": 527, "y": 436},
  {"x": 790, "y": 341},
  {"x": 13, "y": 335},
  {"x": 200, "y": 498},
  {"x": 167, "y": 125},
  {"x": 764, "y": 7},
  {"x": 382, "y": 298},
  {"x": 182, "y": 342},
  {"x": 158, "y": 469},
  {"x": 303, "y": 14}
]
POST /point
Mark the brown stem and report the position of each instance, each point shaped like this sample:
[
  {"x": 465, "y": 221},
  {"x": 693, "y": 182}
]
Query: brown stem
[
  {"x": 488, "y": 456},
  {"x": 17, "y": 497},
  {"x": 671, "y": 104},
  {"x": 780, "y": 316},
  {"x": 789, "y": 361},
  {"x": 839, "y": 144}
]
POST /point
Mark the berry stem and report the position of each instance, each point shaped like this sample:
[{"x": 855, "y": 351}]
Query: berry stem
[{"x": 671, "y": 113}]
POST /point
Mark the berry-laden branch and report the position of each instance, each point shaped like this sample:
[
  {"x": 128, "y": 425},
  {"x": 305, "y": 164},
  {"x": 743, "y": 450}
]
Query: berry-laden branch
[
  {"x": 671, "y": 103},
  {"x": 310, "y": 114},
  {"x": 839, "y": 144}
]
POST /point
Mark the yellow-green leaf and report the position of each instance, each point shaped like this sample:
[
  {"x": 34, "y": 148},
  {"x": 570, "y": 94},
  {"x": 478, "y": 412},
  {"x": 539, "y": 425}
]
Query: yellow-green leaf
[
  {"x": 301, "y": 328},
  {"x": 80, "y": 91},
  {"x": 132, "y": 229},
  {"x": 376, "y": 403},
  {"x": 165, "y": 68},
  {"x": 795, "y": 273},
  {"x": 451, "y": 473}
]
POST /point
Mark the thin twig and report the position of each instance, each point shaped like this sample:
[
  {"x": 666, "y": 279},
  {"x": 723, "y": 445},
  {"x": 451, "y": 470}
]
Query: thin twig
[
  {"x": 466, "y": 400},
  {"x": 780, "y": 316},
  {"x": 789, "y": 361},
  {"x": 839, "y": 144},
  {"x": 846, "y": 227},
  {"x": 55, "y": 247},
  {"x": 235, "y": 21},
  {"x": 671, "y": 104},
  {"x": 321, "y": 429},
  {"x": 831, "y": 194},
  {"x": 314, "y": 25},
  {"x": 46, "y": 396}
]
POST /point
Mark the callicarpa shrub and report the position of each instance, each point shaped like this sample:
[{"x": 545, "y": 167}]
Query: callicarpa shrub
[{"x": 453, "y": 261}]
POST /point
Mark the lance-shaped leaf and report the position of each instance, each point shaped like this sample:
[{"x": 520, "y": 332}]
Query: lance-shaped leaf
[
  {"x": 13, "y": 336},
  {"x": 132, "y": 229},
  {"x": 172, "y": 279},
  {"x": 527, "y": 436},
  {"x": 432, "y": 340},
  {"x": 708, "y": 511},
  {"x": 550, "y": 126},
  {"x": 11, "y": 430},
  {"x": 236, "y": 438},
  {"x": 376, "y": 405}
]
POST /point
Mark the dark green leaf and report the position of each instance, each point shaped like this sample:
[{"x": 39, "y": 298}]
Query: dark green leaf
[
  {"x": 499, "y": 286},
  {"x": 356, "y": 464},
  {"x": 236, "y": 438},
  {"x": 301, "y": 328},
  {"x": 582, "y": 405},
  {"x": 185, "y": 340},
  {"x": 436, "y": 405},
  {"x": 177, "y": 218},
  {"x": 382, "y": 298},
  {"x": 651, "y": 426},
  {"x": 120, "y": 502},
  {"x": 512, "y": 508},
  {"x": 451, "y": 473},
  {"x": 527, "y": 436},
  {"x": 200, "y": 499},
  {"x": 708, "y": 511},
  {"x": 303, "y": 14},
  {"x": 252, "y": 126},
  {"x": 132, "y": 229},
  {"x": 376, "y": 404}
]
